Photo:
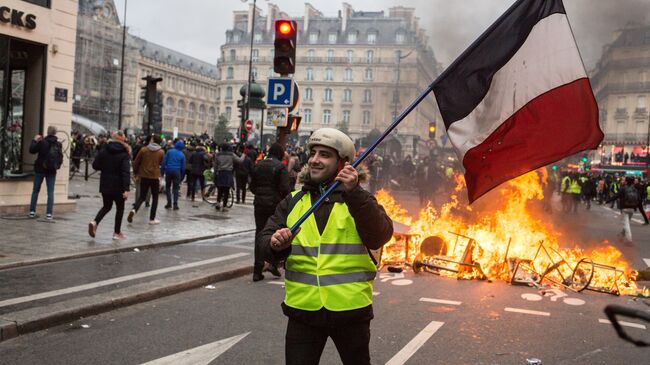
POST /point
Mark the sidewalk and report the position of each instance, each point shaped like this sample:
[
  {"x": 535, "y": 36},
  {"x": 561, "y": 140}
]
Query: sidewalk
[{"x": 28, "y": 241}]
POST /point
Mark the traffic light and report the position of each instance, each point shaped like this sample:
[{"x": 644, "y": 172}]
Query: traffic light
[
  {"x": 150, "y": 89},
  {"x": 554, "y": 167},
  {"x": 157, "y": 113},
  {"x": 284, "y": 56},
  {"x": 432, "y": 130},
  {"x": 294, "y": 123}
]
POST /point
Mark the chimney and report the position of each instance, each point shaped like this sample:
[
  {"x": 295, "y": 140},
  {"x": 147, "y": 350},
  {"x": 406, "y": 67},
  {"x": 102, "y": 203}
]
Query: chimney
[
  {"x": 347, "y": 14},
  {"x": 310, "y": 12},
  {"x": 272, "y": 15},
  {"x": 249, "y": 25}
]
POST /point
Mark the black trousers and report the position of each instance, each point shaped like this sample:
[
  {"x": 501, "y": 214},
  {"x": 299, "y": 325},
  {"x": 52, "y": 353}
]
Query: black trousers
[
  {"x": 261, "y": 216},
  {"x": 222, "y": 194},
  {"x": 147, "y": 185},
  {"x": 192, "y": 185},
  {"x": 241, "y": 181},
  {"x": 108, "y": 200},
  {"x": 304, "y": 343}
]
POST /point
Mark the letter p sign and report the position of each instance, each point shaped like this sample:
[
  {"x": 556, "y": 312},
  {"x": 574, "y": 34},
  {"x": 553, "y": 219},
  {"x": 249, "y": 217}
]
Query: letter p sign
[{"x": 280, "y": 92}]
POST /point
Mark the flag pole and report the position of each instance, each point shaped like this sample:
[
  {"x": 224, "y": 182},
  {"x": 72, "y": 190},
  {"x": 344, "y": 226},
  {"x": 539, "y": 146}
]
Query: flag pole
[{"x": 365, "y": 153}]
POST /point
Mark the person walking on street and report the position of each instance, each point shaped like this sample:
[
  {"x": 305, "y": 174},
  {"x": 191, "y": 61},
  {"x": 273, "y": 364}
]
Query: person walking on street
[
  {"x": 173, "y": 168},
  {"x": 147, "y": 167},
  {"x": 270, "y": 184},
  {"x": 329, "y": 272},
  {"x": 187, "y": 152},
  {"x": 628, "y": 198},
  {"x": 114, "y": 162},
  {"x": 243, "y": 171},
  {"x": 49, "y": 159},
  {"x": 198, "y": 164},
  {"x": 224, "y": 163},
  {"x": 641, "y": 191}
]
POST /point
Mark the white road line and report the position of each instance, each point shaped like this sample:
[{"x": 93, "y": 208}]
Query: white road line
[
  {"x": 440, "y": 301},
  {"x": 117, "y": 280},
  {"x": 405, "y": 353},
  {"x": 526, "y": 311},
  {"x": 647, "y": 262},
  {"x": 375, "y": 293},
  {"x": 202, "y": 355},
  {"x": 635, "y": 220},
  {"x": 623, "y": 323},
  {"x": 276, "y": 282}
]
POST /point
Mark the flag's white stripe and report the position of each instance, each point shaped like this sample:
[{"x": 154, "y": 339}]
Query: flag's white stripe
[{"x": 548, "y": 59}]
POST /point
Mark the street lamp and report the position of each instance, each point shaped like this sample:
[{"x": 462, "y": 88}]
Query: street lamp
[{"x": 119, "y": 116}]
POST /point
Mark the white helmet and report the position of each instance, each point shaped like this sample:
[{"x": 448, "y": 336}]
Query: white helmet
[{"x": 333, "y": 138}]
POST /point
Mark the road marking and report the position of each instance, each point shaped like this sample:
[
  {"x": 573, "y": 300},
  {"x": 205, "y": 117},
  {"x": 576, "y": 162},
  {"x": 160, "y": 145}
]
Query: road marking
[
  {"x": 531, "y": 297},
  {"x": 623, "y": 323},
  {"x": 573, "y": 301},
  {"x": 526, "y": 311},
  {"x": 440, "y": 301},
  {"x": 375, "y": 293},
  {"x": 647, "y": 262},
  {"x": 636, "y": 220},
  {"x": 117, "y": 280},
  {"x": 277, "y": 282},
  {"x": 405, "y": 353},
  {"x": 402, "y": 282},
  {"x": 202, "y": 355}
]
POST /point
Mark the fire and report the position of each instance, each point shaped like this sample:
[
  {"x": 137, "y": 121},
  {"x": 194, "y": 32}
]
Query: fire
[{"x": 508, "y": 229}]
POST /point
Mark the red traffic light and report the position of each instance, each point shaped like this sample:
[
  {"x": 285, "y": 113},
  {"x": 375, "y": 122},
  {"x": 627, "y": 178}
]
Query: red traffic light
[{"x": 284, "y": 27}]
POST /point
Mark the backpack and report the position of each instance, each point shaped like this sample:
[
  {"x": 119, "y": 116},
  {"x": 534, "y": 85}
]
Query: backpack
[
  {"x": 630, "y": 197},
  {"x": 54, "y": 157}
]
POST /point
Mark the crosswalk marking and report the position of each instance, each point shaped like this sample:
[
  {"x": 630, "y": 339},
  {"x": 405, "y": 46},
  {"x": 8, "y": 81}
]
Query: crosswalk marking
[
  {"x": 420, "y": 339},
  {"x": 623, "y": 323},
  {"x": 526, "y": 311},
  {"x": 202, "y": 355},
  {"x": 121, "y": 279},
  {"x": 440, "y": 301}
]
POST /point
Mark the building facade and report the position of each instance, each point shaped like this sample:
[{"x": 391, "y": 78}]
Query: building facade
[
  {"x": 621, "y": 82},
  {"x": 188, "y": 87},
  {"x": 37, "y": 53},
  {"x": 355, "y": 71}
]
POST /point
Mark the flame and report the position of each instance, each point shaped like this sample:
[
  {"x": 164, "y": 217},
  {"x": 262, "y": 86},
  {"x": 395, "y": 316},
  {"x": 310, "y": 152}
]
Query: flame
[{"x": 511, "y": 227}]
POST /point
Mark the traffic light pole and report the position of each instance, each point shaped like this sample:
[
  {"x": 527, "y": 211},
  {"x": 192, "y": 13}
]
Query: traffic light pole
[
  {"x": 250, "y": 69},
  {"x": 119, "y": 113}
]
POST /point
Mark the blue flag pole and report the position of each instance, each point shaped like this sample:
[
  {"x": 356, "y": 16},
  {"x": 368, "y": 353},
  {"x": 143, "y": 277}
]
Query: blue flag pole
[{"x": 365, "y": 154}]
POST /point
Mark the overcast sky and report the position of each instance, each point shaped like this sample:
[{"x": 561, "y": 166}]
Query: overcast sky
[{"x": 197, "y": 27}]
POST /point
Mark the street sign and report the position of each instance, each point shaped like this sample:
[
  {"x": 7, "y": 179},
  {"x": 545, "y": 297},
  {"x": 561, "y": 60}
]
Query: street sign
[
  {"x": 249, "y": 125},
  {"x": 278, "y": 116},
  {"x": 280, "y": 92}
]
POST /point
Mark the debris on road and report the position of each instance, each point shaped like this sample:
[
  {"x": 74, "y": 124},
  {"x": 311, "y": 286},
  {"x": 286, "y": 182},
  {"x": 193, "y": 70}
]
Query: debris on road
[{"x": 211, "y": 287}]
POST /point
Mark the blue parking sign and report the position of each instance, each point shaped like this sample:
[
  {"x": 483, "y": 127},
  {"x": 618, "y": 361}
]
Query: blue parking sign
[{"x": 280, "y": 92}]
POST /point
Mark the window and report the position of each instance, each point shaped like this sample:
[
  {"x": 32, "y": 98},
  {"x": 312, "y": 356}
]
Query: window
[
  {"x": 233, "y": 54},
  {"x": 256, "y": 55},
  {"x": 329, "y": 74},
  {"x": 366, "y": 117},
  {"x": 348, "y": 74},
  {"x": 254, "y": 72},
  {"x": 370, "y": 55},
  {"x": 311, "y": 55},
  {"x": 218, "y": 93},
  {"x": 272, "y": 52},
  {"x": 180, "y": 112},
  {"x": 270, "y": 72},
  {"x": 621, "y": 103},
  {"x": 352, "y": 37},
  {"x": 212, "y": 115},
  {"x": 372, "y": 38},
  {"x": 641, "y": 103},
  {"x": 347, "y": 95},
  {"x": 307, "y": 116},
  {"x": 258, "y": 37},
  {"x": 367, "y": 96},
  {"x": 327, "y": 116},
  {"x": 331, "y": 38},
  {"x": 346, "y": 116},
  {"x": 191, "y": 114},
  {"x": 169, "y": 106},
  {"x": 368, "y": 74},
  {"x": 309, "y": 95},
  {"x": 330, "y": 55},
  {"x": 229, "y": 93},
  {"x": 236, "y": 37},
  {"x": 400, "y": 37},
  {"x": 328, "y": 94},
  {"x": 228, "y": 112},
  {"x": 202, "y": 113},
  {"x": 230, "y": 73},
  {"x": 350, "y": 55},
  {"x": 313, "y": 38},
  {"x": 310, "y": 74}
]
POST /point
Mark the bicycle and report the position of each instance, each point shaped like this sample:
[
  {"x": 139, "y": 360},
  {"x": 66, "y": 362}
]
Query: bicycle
[{"x": 211, "y": 194}]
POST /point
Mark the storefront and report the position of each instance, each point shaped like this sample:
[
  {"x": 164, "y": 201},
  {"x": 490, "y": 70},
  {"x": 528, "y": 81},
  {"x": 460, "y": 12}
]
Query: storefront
[{"x": 37, "y": 53}]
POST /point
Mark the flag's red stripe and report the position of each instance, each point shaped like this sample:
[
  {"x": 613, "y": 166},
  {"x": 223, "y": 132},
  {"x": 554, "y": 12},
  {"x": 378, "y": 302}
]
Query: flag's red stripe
[{"x": 556, "y": 124}]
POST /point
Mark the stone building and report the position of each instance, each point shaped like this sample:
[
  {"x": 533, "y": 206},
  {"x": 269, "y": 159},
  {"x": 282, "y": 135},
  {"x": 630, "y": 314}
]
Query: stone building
[
  {"x": 621, "y": 82},
  {"x": 355, "y": 70}
]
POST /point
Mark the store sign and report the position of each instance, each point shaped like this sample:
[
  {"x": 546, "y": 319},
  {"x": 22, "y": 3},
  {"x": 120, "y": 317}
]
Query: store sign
[
  {"x": 17, "y": 18},
  {"x": 60, "y": 94}
]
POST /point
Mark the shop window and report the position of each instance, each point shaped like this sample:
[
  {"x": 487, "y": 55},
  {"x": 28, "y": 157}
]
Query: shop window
[{"x": 22, "y": 72}]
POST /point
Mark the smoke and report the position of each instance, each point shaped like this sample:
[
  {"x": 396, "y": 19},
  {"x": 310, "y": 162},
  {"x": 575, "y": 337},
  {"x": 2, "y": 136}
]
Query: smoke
[{"x": 453, "y": 25}]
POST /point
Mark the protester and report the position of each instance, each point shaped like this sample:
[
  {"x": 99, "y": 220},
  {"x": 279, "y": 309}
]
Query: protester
[
  {"x": 224, "y": 163},
  {"x": 243, "y": 171},
  {"x": 173, "y": 168},
  {"x": 329, "y": 273},
  {"x": 628, "y": 198},
  {"x": 147, "y": 167},
  {"x": 49, "y": 159},
  {"x": 199, "y": 162},
  {"x": 114, "y": 162}
]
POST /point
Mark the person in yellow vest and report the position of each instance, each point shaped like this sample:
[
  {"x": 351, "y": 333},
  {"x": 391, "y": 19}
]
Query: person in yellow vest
[{"x": 329, "y": 272}]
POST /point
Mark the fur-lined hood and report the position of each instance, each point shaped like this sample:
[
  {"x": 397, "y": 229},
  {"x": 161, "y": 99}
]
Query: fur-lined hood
[{"x": 303, "y": 175}]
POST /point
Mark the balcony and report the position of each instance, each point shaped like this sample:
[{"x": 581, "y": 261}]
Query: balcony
[
  {"x": 339, "y": 60},
  {"x": 623, "y": 87},
  {"x": 625, "y": 138}
]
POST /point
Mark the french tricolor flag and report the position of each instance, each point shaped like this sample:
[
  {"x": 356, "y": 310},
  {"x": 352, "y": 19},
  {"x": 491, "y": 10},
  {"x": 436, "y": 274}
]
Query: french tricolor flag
[{"x": 519, "y": 97}]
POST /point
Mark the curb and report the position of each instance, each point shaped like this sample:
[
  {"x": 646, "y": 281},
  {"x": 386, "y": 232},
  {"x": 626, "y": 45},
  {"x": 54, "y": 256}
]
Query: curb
[
  {"x": 11, "y": 329},
  {"x": 109, "y": 251}
]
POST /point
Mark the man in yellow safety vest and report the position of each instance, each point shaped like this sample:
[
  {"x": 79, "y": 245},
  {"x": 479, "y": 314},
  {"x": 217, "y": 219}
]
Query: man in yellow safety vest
[{"x": 329, "y": 271}]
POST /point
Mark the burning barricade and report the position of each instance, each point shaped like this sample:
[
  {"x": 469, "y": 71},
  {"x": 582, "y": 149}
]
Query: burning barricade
[{"x": 509, "y": 242}]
